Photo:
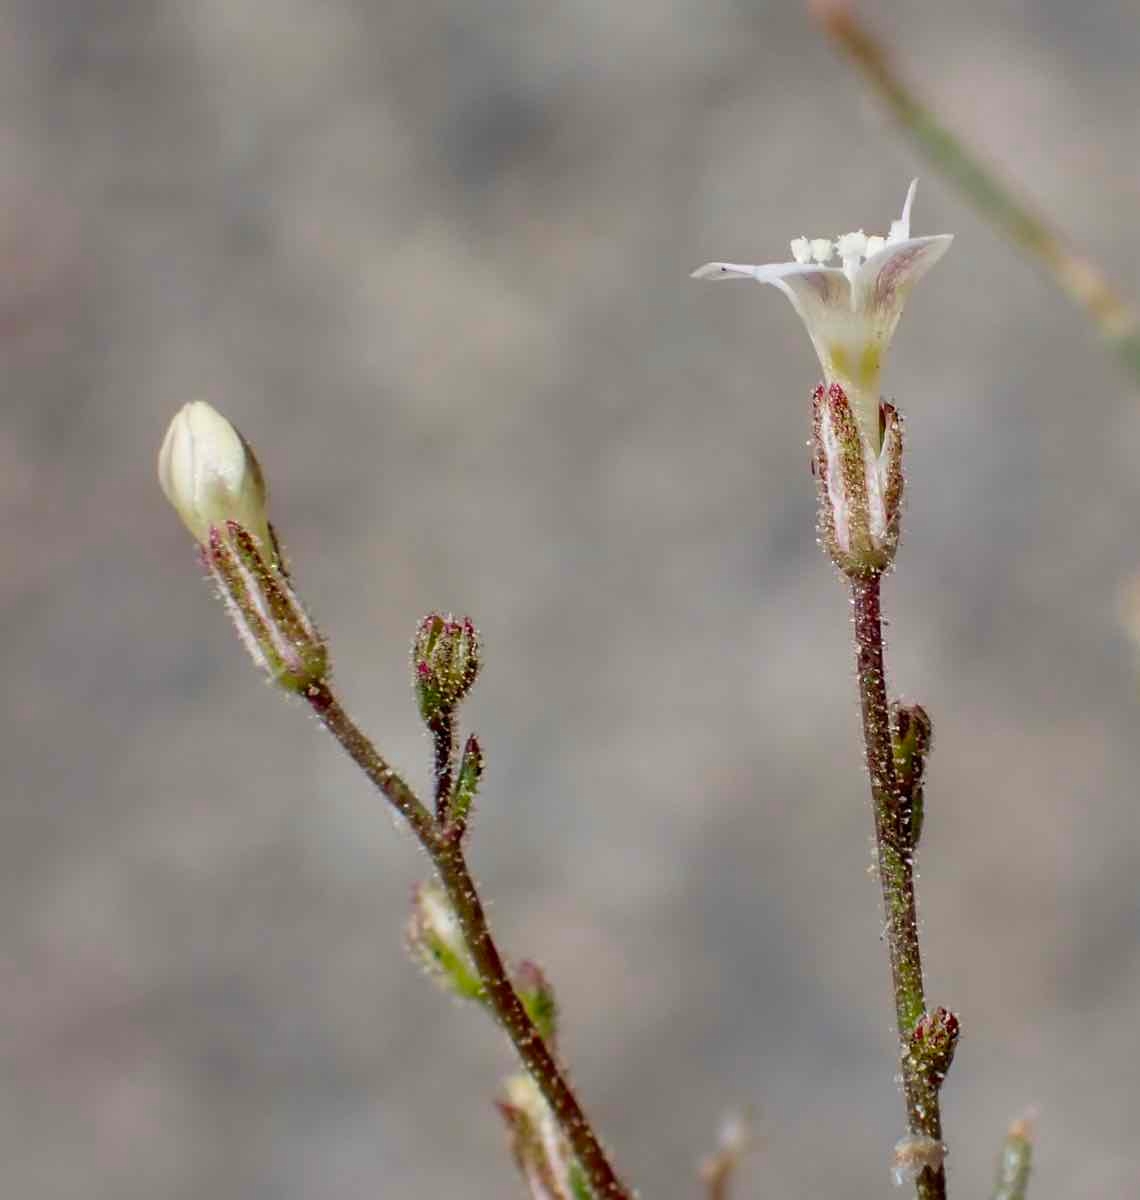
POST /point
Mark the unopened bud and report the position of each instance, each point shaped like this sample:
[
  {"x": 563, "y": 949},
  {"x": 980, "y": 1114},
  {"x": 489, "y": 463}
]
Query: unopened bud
[
  {"x": 537, "y": 1145},
  {"x": 860, "y": 486},
  {"x": 537, "y": 995},
  {"x": 434, "y": 937},
  {"x": 269, "y": 617},
  {"x": 466, "y": 786},
  {"x": 912, "y": 736},
  {"x": 933, "y": 1042},
  {"x": 445, "y": 664},
  {"x": 211, "y": 476}
]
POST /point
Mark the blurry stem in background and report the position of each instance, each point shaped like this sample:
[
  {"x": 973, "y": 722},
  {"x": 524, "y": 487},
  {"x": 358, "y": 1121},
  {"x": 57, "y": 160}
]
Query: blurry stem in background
[
  {"x": 1013, "y": 1166},
  {"x": 448, "y": 858},
  {"x": 717, "y": 1176},
  {"x": 896, "y": 874},
  {"x": 1085, "y": 282},
  {"x": 719, "y": 1169}
]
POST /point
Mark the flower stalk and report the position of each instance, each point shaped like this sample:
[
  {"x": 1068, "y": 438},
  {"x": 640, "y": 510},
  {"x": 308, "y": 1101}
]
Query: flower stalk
[
  {"x": 894, "y": 846},
  {"x": 851, "y": 312}
]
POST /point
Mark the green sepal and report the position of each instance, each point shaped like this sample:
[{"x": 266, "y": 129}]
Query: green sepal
[{"x": 466, "y": 782}]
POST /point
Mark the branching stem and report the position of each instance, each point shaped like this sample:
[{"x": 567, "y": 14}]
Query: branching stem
[
  {"x": 450, "y": 863},
  {"x": 896, "y": 871}
]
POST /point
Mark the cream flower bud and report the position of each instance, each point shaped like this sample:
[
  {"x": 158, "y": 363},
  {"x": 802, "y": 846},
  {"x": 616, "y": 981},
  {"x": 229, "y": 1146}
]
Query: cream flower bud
[{"x": 211, "y": 476}]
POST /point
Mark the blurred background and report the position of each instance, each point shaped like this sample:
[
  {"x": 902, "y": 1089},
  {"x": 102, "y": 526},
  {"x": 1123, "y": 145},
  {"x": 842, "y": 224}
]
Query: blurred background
[{"x": 432, "y": 258}]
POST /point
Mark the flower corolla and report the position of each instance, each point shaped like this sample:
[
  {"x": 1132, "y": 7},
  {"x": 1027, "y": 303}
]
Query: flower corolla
[{"x": 851, "y": 309}]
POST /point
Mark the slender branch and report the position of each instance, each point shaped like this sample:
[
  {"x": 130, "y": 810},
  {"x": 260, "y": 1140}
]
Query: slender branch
[
  {"x": 371, "y": 762},
  {"x": 896, "y": 873},
  {"x": 451, "y": 865},
  {"x": 1083, "y": 279}
]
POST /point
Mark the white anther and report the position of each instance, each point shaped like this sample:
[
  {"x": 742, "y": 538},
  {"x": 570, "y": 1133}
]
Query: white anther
[
  {"x": 822, "y": 249},
  {"x": 852, "y": 246},
  {"x": 801, "y": 250}
]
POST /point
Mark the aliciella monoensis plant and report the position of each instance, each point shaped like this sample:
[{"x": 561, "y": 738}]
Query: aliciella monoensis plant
[{"x": 851, "y": 311}]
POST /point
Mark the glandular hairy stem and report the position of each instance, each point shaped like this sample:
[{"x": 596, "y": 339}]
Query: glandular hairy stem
[{"x": 896, "y": 872}]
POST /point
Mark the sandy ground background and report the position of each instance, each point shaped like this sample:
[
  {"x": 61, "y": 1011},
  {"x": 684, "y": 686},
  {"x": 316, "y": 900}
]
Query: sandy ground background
[{"x": 432, "y": 258}]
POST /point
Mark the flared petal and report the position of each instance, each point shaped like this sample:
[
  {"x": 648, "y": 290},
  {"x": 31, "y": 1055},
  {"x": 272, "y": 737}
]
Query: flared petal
[
  {"x": 823, "y": 299},
  {"x": 762, "y": 273},
  {"x": 819, "y": 294},
  {"x": 883, "y": 282}
]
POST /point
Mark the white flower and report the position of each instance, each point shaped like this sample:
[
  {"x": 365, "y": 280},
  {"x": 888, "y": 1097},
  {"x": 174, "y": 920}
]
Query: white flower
[
  {"x": 211, "y": 476},
  {"x": 851, "y": 310}
]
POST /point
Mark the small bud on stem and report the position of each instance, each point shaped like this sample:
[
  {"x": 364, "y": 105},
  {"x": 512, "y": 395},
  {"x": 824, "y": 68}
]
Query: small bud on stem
[
  {"x": 434, "y": 937},
  {"x": 445, "y": 665},
  {"x": 466, "y": 788},
  {"x": 933, "y": 1042},
  {"x": 537, "y": 994},
  {"x": 912, "y": 736}
]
